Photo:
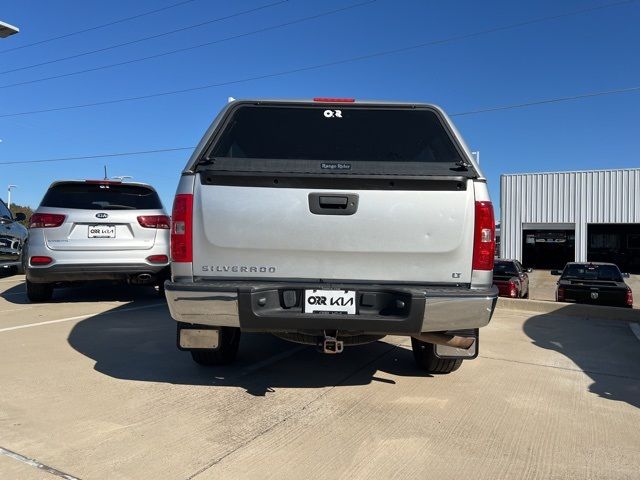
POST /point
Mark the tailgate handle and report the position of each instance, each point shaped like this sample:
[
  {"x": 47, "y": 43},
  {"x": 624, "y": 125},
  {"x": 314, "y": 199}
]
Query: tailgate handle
[
  {"x": 333, "y": 202},
  {"x": 339, "y": 204}
]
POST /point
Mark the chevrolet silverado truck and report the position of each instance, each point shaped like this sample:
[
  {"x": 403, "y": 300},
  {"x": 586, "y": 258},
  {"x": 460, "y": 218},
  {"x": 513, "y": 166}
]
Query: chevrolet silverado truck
[{"x": 332, "y": 222}]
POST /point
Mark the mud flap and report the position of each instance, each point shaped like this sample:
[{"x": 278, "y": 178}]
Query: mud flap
[{"x": 197, "y": 337}]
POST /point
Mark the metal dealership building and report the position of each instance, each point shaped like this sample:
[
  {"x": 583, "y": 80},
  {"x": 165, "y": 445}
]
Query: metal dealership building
[{"x": 548, "y": 219}]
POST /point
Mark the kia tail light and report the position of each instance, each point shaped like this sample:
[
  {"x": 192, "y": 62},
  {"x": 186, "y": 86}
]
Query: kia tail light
[
  {"x": 46, "y": 220},
  {"x": 154, "y": 221}
]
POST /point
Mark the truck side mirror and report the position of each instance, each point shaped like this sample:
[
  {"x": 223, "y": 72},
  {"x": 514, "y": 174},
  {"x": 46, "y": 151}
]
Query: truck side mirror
[
  {"x": 19, "y": 217},
  {"x": 626, "y": 275},
  {"x": 556, "y": 272},
  {"x": 529, "y": 270}
]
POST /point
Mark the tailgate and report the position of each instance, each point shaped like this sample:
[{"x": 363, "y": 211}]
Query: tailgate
[{"x": 417, "y": 236}]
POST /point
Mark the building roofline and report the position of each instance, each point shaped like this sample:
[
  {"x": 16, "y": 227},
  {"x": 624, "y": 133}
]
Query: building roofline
[{"x": 631, "y": 169}]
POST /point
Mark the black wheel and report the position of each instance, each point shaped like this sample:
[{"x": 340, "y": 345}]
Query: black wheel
[
  {"x": 229, "y": 341},
  {"x": 425, "y": 356},
  {"x": 39, "y": 292}
]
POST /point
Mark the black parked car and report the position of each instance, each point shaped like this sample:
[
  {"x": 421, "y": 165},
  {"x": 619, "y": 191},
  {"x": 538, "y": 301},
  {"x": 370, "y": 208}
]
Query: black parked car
[
  {"x": 594, "y": 283},
  {"x": 12, "y": 238}
]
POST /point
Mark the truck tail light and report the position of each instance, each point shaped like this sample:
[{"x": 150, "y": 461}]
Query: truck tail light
[
  {"x": 333, "y": 100},
  {"x": 484, "y": 241},
  {"x": 513, "y": 289},
  {"x": 46, "y": 220},
  {"x": 560, "y": 294},
  {"x": 40, "y": 260},
  {"x": 630, "y": 298},
  {"x": 154, "y": 221},
  {"x": 182, "y": 228}
]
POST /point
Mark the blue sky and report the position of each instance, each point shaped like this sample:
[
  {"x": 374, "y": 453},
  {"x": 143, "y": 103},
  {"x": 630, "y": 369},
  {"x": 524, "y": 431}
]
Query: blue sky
[{"x": 573, "y": 55}]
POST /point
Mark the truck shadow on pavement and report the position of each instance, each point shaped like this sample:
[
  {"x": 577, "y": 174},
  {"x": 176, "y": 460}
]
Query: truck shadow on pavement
[
  {"x": 93, "y": 292},
  {"x": 605, "y": 350},
  {"x": 138, "y": 342}
]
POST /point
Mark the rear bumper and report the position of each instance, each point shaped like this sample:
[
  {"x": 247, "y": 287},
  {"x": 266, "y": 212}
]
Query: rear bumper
[
  {"x": 86, "y": 272},
  {"x": 259, "y": 307}
]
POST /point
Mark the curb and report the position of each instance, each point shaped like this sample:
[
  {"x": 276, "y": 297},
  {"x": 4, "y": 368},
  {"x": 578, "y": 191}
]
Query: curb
[{"x": 569, "y": 309}]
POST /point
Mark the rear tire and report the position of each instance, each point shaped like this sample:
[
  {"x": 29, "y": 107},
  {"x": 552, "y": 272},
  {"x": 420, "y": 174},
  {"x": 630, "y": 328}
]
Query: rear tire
[
  {"x": 229, "y": 342},
  {"x": 39, "y": 292},
  {"x": 425, "y": 356}
]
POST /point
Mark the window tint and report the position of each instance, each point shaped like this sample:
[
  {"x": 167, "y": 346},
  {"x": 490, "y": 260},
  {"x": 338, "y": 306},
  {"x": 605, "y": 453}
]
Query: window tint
[
  {"x": 4, "y": 211},
  {"x": 358, "y": 136},
  {"x": 89, "y": 196},
  {"x": 592, "y": 272}
]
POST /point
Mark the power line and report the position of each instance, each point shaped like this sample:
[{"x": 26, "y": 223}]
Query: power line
[
  {"x": 458, "y": 114},
  {"x": 101, "y": 155},
  {"x": 151, "y": 37},
  {"x": 548, "y": 100},
  {"x": 78, "y": 32},
  {"x": 194, "y": 47},
  {"x": 321, "y": 65}
]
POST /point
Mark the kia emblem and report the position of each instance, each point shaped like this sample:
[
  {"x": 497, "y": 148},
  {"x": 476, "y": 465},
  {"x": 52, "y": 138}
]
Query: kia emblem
[{"x": 101, "y": 215}]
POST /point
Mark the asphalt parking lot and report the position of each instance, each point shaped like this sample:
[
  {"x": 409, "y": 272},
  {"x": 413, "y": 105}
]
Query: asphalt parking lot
[{"x": 92, "y": 386}]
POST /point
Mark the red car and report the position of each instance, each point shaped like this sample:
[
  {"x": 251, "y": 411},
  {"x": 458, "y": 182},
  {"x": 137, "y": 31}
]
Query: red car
[{"x": 511, "y": 278}]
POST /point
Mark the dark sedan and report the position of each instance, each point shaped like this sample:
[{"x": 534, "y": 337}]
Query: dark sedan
[
  {"x": 12, "y": 238},
  {"x": 594, "y": 283},
  {"x": 511, "y": 278}
]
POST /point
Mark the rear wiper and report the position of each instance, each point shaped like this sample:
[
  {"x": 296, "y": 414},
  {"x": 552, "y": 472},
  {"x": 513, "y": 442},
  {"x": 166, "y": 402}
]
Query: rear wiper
[{"x": 207, "y": 161}]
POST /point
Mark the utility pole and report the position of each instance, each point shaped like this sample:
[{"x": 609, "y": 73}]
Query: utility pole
[{"x": 9, "y": 194}]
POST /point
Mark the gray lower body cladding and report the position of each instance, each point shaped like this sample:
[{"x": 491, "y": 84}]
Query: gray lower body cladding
[
  {"x": 382, "y": 309},
  {"x": 88, "y": 272}
]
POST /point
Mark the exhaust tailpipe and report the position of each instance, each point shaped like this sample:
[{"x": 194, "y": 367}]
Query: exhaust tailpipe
[
  {"x": 455, "y": 341},
  {"x": 141, "y": 279}
]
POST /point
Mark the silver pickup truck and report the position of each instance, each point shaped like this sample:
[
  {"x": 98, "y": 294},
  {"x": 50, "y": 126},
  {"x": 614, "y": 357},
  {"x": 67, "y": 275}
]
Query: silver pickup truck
[{"x": 332, "y": 222}]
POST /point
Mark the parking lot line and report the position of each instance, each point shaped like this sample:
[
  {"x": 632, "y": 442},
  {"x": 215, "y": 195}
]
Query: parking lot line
[
  {"x": 79, "y": 317},
  {"x": 34, "y": 463},
  {"x": 635, "y": 328},
  {"x": 16, "y": 309},
  {"x": 14, "y": 293}
]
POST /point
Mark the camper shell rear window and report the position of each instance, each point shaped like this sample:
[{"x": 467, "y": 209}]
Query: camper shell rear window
[{"x": 335, "y": 139}]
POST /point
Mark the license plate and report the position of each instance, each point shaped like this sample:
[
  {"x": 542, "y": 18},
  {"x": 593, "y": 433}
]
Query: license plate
[
  {"x": 330, "y": 301},
  {"x": 102, "y": 231}
]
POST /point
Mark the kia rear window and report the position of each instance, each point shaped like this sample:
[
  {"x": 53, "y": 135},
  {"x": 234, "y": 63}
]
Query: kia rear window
[
  {"x": 335, "y": 139},
  {"x": 89, "y": 196}
]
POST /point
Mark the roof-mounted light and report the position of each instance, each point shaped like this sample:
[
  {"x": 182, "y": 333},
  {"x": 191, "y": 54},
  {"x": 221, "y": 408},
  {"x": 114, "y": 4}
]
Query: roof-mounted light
[{"x": 334, "y": 100}]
